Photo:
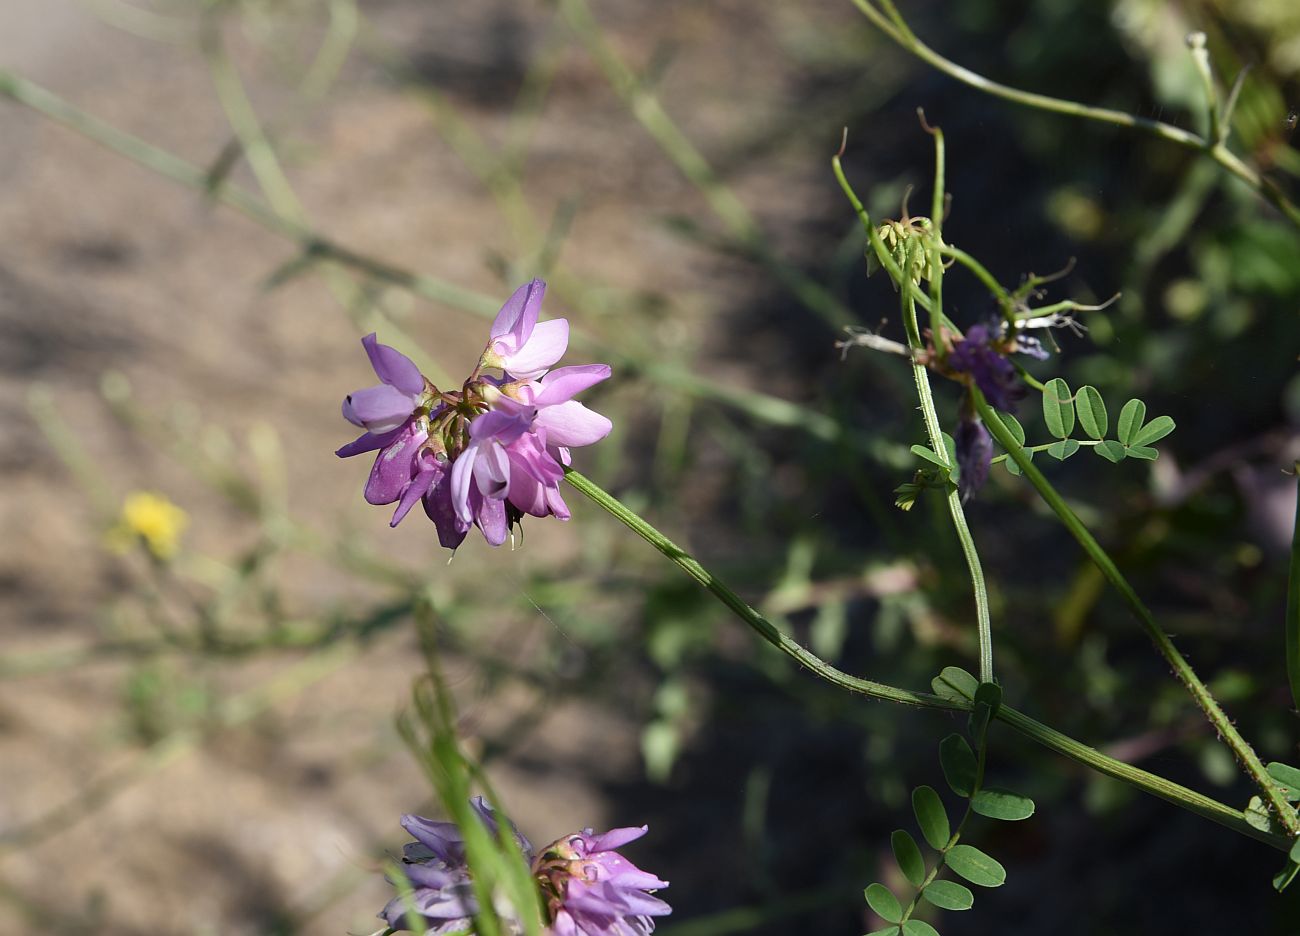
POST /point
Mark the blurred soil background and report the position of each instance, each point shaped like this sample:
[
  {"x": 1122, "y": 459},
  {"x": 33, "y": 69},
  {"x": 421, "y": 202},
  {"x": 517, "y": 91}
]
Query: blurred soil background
[{"x": 203, "y": 743}]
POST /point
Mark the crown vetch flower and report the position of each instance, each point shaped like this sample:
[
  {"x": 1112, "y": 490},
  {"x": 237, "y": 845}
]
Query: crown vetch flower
[
  {"x": 492, "y": 451},
  {"x": 587, "y": 887},
  {"x": 442, "y": 892},
  {"x": 591, "y": 889}
]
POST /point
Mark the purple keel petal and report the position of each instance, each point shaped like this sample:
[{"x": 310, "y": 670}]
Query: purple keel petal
[
  {"x": 438, "y": 508},
  {"x": 563, "y": 383},
  {"x": 491, "y": 519},
  {"x": 367, "y": 442},
  {"x": 393, "y": 468},
  {"x": 378, "y": 409},
  {"x": 546, "y": 346},
  {"x": 429, "y": 468},
  {"x": 572, "y": 424},
  {"x": 393, "y": 367}
]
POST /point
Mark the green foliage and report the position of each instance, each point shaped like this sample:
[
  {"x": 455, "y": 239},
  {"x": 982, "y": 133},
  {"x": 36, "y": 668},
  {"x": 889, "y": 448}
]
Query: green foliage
[
  {"x": 949, "y": 895},
  {"x": 1133, "y": 437},
  {"x": 975, "y": 866},
  {"x": 908, "y": 855},
  {"x": 931, "y": 816},
  {"x": 882, "y": 900},
  {"x": 958, "y": 763},
  {"x": 963, "y": 763}
]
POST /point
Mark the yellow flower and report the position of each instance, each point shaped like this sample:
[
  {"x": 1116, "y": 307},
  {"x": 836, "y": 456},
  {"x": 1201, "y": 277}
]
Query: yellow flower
[{"x": 153, "y": 519}]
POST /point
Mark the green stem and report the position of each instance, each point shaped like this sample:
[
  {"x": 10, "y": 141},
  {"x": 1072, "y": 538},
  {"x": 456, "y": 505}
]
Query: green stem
[
  {"x": 1293, "y": 609},
  {"x": 1049, "y": 738},
  {"x": 1182, "y": 669},
  {"x": 1215, "y": 150},
  {"x": 983, "y": 619},
  {"x": 1044, "y": 447},
  {"x": 761, "y": 625},
  {"x": 911, "y": 297}
]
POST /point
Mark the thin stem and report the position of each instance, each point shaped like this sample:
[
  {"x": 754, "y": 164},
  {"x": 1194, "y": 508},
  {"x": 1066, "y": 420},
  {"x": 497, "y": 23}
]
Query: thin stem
[
  {"x": 1049, "y": 738},
  {"x": 921, "y": 374},
  {"x": 911, "y": 297},
  {"x": 1043, "y": 448},
  {"x": 761, "y": 625},
  {"x": 897, "y": 30},
  {"x": 1199, "y": 691}
]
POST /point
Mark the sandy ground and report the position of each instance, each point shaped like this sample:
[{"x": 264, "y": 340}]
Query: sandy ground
[{"x": 272, "y": 821}]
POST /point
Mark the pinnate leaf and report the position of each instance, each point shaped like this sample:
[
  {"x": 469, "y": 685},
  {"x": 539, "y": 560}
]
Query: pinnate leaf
[
  {"x": 882, "y": 900},
  {"x": 1063, "y": 449},
  {"x": 1130, "y": 421},
  {"x": 908, "y": 855},
  {"x": 1002, "y": 804},
  {"x": 1154, "y": 431},
  {"x": 919, "y": 928},
  {"x": 931, "y": 816},
  {"x": 975, "y": 866},
  {"x": 1058, "y": 408},
  {"x": 1287, "y": 776},
  {"x": 958, "y": 762},
  {"x": 1146, "y": 453},
  {"x": 1111, "y": 451},
  {"x": 955, "y": 683},
  {"x": 928, "y": 454},
  {"x": 1092, "y": 412},
  {"x": 1013, "y": 426},
  {"x": 949, "y": 895}
]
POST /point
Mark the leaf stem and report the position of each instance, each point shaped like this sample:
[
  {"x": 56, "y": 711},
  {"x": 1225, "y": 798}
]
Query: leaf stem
[
  {"x": 1049, "y": 738},
  {"x": 1244, "y": 753}
]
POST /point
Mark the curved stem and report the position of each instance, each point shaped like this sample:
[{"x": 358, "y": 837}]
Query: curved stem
[
  {"x": 894, "y": 27},
  {"x": 1244, "y": 753},
  {"x": 1049, "y": 738},
  {"x": 761, "y": 625}
]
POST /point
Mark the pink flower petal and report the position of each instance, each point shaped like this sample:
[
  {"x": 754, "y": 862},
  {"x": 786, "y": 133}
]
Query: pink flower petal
[
  {"x": 518, "y": 316},
  {"x": 572, "y": 424},
  {"x": 563, "y": 383},
  {"x": 546, "y": 346},
  {"x": 462, "y": 473}
]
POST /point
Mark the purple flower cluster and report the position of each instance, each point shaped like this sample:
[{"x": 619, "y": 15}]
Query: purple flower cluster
[
  {"x": 587, "y": 888},
  {"x": 492, "y": 451},
  {"x": 591, "y": 889}
]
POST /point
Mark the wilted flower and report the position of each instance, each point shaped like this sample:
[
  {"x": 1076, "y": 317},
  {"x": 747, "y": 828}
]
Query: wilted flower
[
  {"x": 490, "y": 452},
  {"x": 981, "y": 356},
  {"x": 586, "y": 887},
  {"x": 974, "y": 454}
]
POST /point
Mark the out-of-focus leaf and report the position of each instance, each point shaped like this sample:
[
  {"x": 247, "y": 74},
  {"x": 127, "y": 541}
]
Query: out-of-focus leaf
[{"x": 958, "y": 762}]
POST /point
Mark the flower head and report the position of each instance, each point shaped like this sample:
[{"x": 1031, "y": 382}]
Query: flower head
[
  {"x": 442, "y": 892},
  {"x": 591, "y": 889},
  {"x": 586, "y": 887},
  {"x": 151, "y": 519},
  {"x": 492, "y": 451}
]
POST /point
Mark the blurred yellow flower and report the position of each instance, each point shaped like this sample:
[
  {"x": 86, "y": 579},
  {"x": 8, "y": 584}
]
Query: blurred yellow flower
[{"x": 153, "y": 519}]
